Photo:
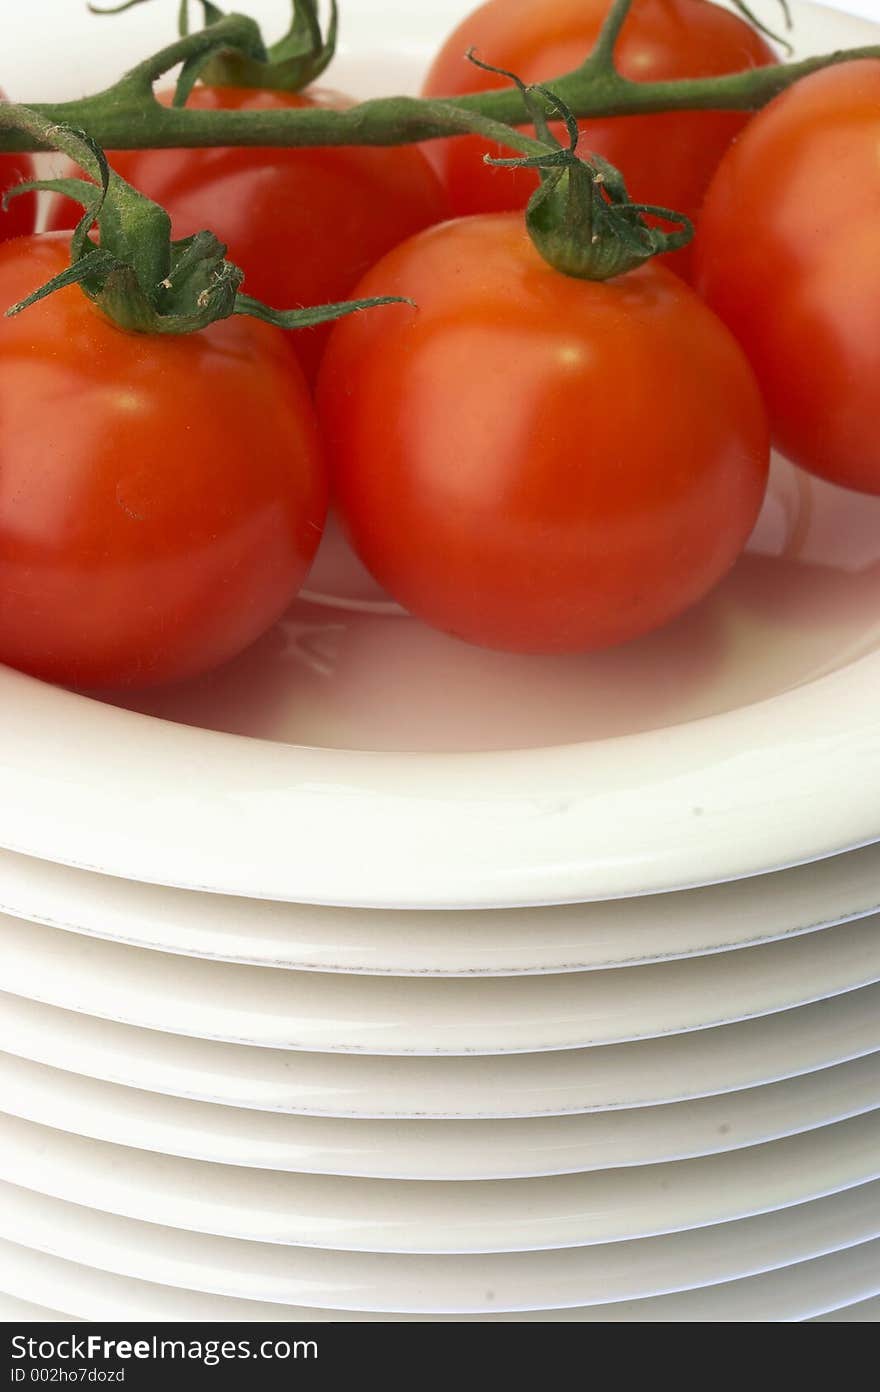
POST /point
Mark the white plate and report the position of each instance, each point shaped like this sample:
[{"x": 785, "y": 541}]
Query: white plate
[
  {"x": 417, "y": 1216},
  {"x": 330, "y": 1012},
  {"x": 567, "y": 937},
  {"x": 445, "y": 1150},
  {"x": 88, "y": 1293},
  {"x": 390, "y": 1283},
  {"x": 791, "y": 1294},
  {"x": 864, "y": 1311},
  {"x": 554, "y": 1083},
  {"x": 17, "y": 1311},
  {"x": 744, "y": 738}
]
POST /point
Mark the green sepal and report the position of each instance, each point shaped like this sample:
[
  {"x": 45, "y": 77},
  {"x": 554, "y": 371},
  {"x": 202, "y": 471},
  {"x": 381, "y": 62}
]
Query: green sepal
[
  {"x": 212, "y": 13},
  {"x": 748, "y": 13},
  {"x": 112, "y": 9},
  {"x": 96, "y": 263},
  {"x": 289, "y": 65},
  {"x": 69, "y": 188},
  {"x": 137, "y": 275},
  {"x": 248, "y": 44},
  {"x": 197, "y": 68},
  {"x": 581, "y": 218},
  {"x": 584, "y": 224},
  {"x": 316, "y": 314}
]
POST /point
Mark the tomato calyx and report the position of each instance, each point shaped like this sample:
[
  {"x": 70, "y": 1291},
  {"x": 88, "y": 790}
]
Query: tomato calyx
[
  {"x": 135, "y": 273},
  {"x": 581, "y": 218},
  {"x": 289, "y": 65},
  {"x": 756, "y": 22}
]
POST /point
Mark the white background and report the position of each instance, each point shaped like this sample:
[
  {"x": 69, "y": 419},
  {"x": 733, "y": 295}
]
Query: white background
[{"x": 136, "y": 32}]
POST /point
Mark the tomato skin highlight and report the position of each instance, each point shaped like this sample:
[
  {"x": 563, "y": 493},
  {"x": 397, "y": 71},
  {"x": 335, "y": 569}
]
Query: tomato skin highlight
[
  {"x": 789, "y": 256},
  {"x": 666, "y": 159},
  {"x": 161, "y": 498},
  {"x": 21, "y": 215},
  {"x": 303, "y": 224},
  {"x": 536, "y": 463}
]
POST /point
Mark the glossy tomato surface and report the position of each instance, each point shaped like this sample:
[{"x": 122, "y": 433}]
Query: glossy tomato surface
[
  {"x": 666, "y": 159},
  {"x": 536, "y": 463},
  {"x": 304, "y": 225},
  {"x": 20, "y": 216},
  {"x": 789, "y": 256},
  {"x": 161, "y": 498}
]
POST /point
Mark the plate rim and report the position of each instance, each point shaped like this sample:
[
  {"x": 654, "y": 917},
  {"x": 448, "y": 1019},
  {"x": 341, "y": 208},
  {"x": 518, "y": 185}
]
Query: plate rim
[
  {"x": 326, "y": 1085},
  {"x": 416, "y": 835},
  {"x": 363, "y": 942},
  {"x": 190, "y": 1129},
  {"x": 432, "y": 1017},
  {"x": 442, "y": 1217},
  {"x": 159, "y": 1240}
]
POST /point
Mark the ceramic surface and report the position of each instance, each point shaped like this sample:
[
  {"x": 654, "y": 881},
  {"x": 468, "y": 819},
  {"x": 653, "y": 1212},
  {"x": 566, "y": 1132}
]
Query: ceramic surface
[
  {"x": 394, "y": 1283},
  {"x": 862, "y": 1312},
  {"x": 441, "y": 1150},
  {"x": 13, "y": 1310},
  {"x": 389, "y": 1016},
  {"x": 552, "y": 1083},
  {"x": 792, "y": 1293},
  {"x": 415, "y": 1216},
  {"x": 556, "y": 938}
]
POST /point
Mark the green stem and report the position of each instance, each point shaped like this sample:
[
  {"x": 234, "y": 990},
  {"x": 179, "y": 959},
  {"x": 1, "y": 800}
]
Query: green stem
[
  {"x": 137, "y": 275},
  {"x": 602, "y": 55},
  {"x": 126, "y": 116},
  {"x": 237, "y": 32}
]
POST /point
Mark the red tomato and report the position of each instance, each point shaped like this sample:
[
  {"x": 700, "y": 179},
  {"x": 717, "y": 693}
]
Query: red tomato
[
  {"x": 21, "y": 215},
  {"x": 789, "y": 255},
  {"x": 666, "y": 159},
  {"x": 537, "y": 463},
  {"x": 304, "y": 225},
  {"x": 161, "y": 498}
]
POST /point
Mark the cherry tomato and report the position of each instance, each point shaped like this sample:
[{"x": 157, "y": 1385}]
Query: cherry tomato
[
  {"x": 789, "y": 256},
  {"x": 666, "y": 159},
  {"x": 537, "y": 463},
  {"x": 161, "y": 498},
  {"x": 304, "y": 225},
  {"x": 21, "y": 215}
]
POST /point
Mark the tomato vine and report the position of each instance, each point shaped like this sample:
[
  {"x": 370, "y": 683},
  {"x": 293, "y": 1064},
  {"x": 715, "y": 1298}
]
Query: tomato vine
[
  {"x": 137, "y": 275},
  {"x": 127, "y": 115}
]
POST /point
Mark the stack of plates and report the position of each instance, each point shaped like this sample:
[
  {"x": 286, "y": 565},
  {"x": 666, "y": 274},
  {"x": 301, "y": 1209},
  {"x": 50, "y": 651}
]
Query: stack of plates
[{"x": 282, "y": 1038}]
